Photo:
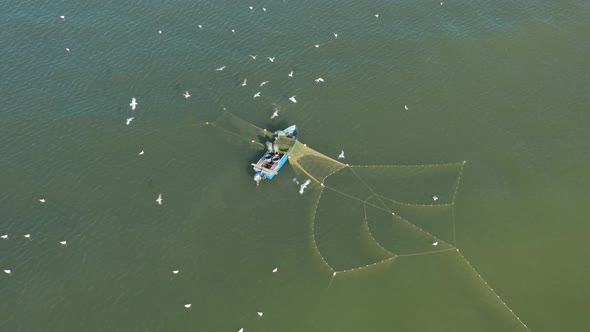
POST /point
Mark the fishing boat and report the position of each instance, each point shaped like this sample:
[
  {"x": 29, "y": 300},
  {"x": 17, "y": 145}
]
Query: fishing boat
[{"x": 276, "y": 155}]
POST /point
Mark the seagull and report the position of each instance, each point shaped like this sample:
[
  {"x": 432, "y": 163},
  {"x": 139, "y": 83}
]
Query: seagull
[
  {"x": 5, "y": 236},
  {"x": 291, "y": 74},
  {"x": 28, "y": 236},
  {"x": 319, "y": 79},
  {"x": 406, "y": 107},
  {"x": 253, "y": 56},
  {"x": 264, "y": 9},
  {"x": 159, "y": 199},
  {"x": 63, "y": 243},
  {"x": 42, "y": 200},
  {"x": 317, "y": 46},
  {"x": 160, "y": 31},
  {"x": 200, "y": 26},
  {"x": 141, "y": 153},
  {"x": 260, "y": 313},
  {"x": 7, "y": 271},
  {"x": 62, "y": 17},
  {"x": 241, "y": 330},
  {"x": 435, "y": 198},
  {"x": 341, "y": 155},
  {"x": 293, "y": 99},
  {"x": 274, "y": 114},
  {"x": 186, "y": 95},
  {"x": 275, "y": 270},
  {"x": 133, "y": 103},
  {"x": 245, "y": 82},
  {"x": 233, "y": 30},
  {"x": 188, "y": 305},
  {"x": 251, "y": 8},
  {"x": 377, "y": 15},
  {"x": 129, "y": 120},
  {"x": 304, "y": 186},
  {"x": 256, "y": 95},
  {"x": 271, "y": 59},
  {"x": 67, "y": 49},
  {"x": 435, "y": 243},
  {"x": 263, "y": 83},
  {"x": 175, "y": 271},
  {"x": 220, "y": 68},
  {"x": 335, "y": 34}
]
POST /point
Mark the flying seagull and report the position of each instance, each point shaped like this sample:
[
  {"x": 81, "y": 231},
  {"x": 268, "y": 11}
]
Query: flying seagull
[
  {"x": 335, "y": 34},
  {"x": 200, "y": 26},
  {"x": 251, "y": 8},
  {"x": 159, "y": 199},
  {"x": 186, "y": 95},
  {"x": 67, "y": 49},
  {"x": 293, "y": 99},
  {"x": 188, "y": 305},
  {"x": 63, "y": 243},
  {"x": 341, "y": 155},
  {"x": 220, "y": 68},
  {"x": 28, "y": 236},
  {"x": 260, "y": 313},
  {"x": 435, "y": 243},
  {"x": 7, "y": 271},
  {"x": 275, "y": 270},
  {"x": 304, "y": 186},
  {"x": 5, "y": 236},
  {"x": 128, "y": 121},
  {"x": 245, "y": 82},
  {"x": 133, "y": 103},
  {"x": 62, "y": 17},
  {"x": 141, "y": 153},
  {"x": 435, "y": 198},
  {"x": 42, "y": 200},
  {"x": 406, "y": 107},
  {"x": 274, "y": 114},
  {"x": 264, "y": 9},
  {"x": 291, "y": 74},
  {"x": 319, "y": 79},
  {"x": 256, "y": 95},
  {"x": 175, "y": 271},
  {"x": 253, "y": 56},
  {"x": 263, "y": 83},
  {"x": 317, "y": 46},
  {"x": 271, "y": 59}
]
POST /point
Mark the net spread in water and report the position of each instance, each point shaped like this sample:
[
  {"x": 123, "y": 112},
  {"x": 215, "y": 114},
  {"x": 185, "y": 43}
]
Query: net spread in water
[{"x": 369, "y": 215}]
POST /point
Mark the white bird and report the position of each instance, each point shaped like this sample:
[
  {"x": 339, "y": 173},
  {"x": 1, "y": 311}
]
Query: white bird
[
  {"x": 304, "y": 186},
  {"x": 317, "y": 46},
  {"x": 133, "y": 103},
  {"x": 377, "y": 15},
  {"x": 128, "y": 121},
  {"x": 233, "y": 30},
  {"x": 175, "y": 271},
  {"x": 293, "y": 99},
  {"x": 251, "y": 8},
  {"x": 275, "y": 270},
  {"x": 241, "y": 330},
  {"x": 67, "y": 49},
  {"x": 319, "y": 79},
  {"x": 335, "y": 34},
  {"x": 441, "y": 3},
  {"x": 62, "y": 17},
  {"x": 63, "y": 243},
  {"x": 291, "y": 74},
  {"x": 28, "y": 236},
  {"x": 271, "y": 59},
  {"x": 406, "y": 107},
  {"x": 220, "y": 68},
  {"x": 245, "y": 82},
  {"x": 253, "y": 56},
  {"x": 295, "y": 180},
  {"x": 256, "y": 95},
  {"x": 141, "y": 153},
  {"x": 188, "y": 305},
  {"x": 341, "y": 155},
  {"x": 7, "y": 271},
  {"x": 5, "y": 236},
  {"x": 274, "y": 114},
  {"x": 160, "y": 31},
  {"x": 159, "y": 199},
  {"x": 260, "y": 313},
  {"x": 200, "y": 26},
  {"x": 435, "y": 243},
  {"x": 263, "y": 83},
  {"x": 264, "y": 9},
  {"x": 435, "y": 198},
  {"x": 42, "y": 200}
]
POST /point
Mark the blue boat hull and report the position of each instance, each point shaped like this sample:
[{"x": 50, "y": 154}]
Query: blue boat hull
[{"x": 264, "y": 168}]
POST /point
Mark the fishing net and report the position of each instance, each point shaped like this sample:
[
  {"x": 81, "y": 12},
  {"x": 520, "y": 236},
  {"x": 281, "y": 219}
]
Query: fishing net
[{"x": 370, "y": 215}]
